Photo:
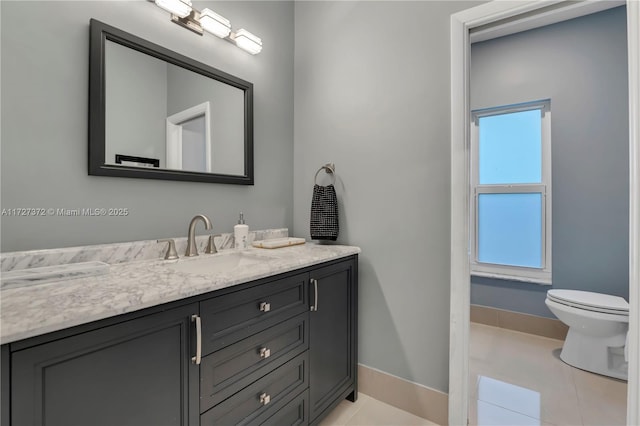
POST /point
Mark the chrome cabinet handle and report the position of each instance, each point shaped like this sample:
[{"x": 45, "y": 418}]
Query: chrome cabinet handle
[
  {"x": 196, "y": 359},
  {"x": 315, "y": 291},
  {"x": 265, "y": 307},
  {"x": 265, "y": 398},
  {"x": 265, "y": 353}
]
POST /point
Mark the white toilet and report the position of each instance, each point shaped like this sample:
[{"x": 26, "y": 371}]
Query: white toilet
[{"x": 598, "y": 325}]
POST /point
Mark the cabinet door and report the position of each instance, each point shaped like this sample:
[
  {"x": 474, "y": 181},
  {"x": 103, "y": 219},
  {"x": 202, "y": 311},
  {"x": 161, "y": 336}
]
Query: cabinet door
[
  {"x": 134, "y": 373},
  {"x": 332, "y": 336}
]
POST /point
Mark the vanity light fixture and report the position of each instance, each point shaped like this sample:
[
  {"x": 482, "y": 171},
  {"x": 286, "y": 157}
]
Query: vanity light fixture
[
  {"x": 180, "y": 8},
  {"x": 183, "y": 14}
]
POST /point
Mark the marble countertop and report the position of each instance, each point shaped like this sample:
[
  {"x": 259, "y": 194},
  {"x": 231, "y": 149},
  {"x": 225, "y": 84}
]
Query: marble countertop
[{"x": 39, "y": 309}]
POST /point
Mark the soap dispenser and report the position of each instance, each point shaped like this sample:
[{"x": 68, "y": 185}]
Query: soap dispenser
[{"x": 241, "y": 234}]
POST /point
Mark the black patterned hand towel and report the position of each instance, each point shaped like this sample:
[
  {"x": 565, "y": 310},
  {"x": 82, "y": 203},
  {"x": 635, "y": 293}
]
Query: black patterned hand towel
[{"x": 324, "y": 213}]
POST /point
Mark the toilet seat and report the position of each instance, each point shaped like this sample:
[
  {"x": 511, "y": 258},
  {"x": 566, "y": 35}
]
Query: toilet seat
[{"x": 590, "y": 301}]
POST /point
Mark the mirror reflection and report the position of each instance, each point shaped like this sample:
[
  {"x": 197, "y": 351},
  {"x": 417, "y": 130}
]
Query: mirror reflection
[{"x": 168, "y": 117}]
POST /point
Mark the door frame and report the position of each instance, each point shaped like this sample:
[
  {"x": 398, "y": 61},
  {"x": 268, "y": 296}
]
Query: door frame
[
  {"x": 174, "y": 125},
  {"x": 519, "y": 15}
]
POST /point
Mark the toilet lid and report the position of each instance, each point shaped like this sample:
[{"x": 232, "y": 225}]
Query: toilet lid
[{"x": 592, "y": 301}]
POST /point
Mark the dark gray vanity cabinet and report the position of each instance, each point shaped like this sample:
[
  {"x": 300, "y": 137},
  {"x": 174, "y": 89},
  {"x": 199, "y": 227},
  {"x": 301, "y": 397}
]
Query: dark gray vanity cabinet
[
  {"x": 333, "y": 344},
  {"x": 136, "y": 373},
  {"x": 308, "y": 324},
  {"x": 277, "y": 351}
]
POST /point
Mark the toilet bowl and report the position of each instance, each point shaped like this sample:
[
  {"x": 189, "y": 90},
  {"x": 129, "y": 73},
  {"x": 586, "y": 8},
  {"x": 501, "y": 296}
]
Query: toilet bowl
[{"x": 598, "y": 325}]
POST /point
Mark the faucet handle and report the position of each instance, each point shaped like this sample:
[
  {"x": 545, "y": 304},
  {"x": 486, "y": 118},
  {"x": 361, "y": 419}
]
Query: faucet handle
[
  {"x": 171, "y": 250},
  {"x": 211, "y": 245}
]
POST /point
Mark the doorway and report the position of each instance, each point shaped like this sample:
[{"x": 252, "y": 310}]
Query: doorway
[
  {"x": 515, "y": 17},
  {"x": 189, "y": 139}
]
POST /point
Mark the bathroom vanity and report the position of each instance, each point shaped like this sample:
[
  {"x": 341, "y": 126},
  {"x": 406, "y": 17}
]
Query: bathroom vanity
[{"x": 275, "y": 350}]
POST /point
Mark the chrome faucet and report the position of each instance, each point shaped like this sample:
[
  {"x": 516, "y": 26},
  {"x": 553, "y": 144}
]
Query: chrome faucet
[{"x": 192, "y": 249}]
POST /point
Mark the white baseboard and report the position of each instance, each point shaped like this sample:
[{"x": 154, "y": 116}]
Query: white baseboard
[
  {"x": 525, "y": 323},
  {"x": 417, "y": 399}
]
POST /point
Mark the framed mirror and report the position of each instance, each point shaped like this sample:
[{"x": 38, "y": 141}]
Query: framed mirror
[{"x": 156, "y": 114}]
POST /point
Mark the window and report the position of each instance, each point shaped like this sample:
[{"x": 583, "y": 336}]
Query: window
[{"x": 511, "y": 192}]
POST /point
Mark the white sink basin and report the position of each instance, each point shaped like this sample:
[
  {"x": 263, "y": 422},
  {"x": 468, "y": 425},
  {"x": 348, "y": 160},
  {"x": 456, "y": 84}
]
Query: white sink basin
[
  {"x": 48, "y": 274},
  {"x": 218, "y": 264}
]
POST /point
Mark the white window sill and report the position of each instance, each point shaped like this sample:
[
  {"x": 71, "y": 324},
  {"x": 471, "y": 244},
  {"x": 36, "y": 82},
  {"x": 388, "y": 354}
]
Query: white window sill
[{"x": 541, "y": 280}]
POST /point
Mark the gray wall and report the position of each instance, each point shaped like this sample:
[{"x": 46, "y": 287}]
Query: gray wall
[
  {"x": 581, "y": 65},
  {"x": 134, "y": 125},
  {"x": 372, "y": 96},
  {"x": 45, "y": 51}
]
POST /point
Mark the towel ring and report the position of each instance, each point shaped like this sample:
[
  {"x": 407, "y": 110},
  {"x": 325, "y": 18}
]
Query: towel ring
[{"x": 330, "y": 168}]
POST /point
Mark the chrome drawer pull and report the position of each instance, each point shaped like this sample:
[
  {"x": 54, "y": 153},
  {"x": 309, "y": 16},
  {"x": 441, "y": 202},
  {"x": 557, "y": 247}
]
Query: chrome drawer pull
[
  {"x": 196, "y": 359},
  {"x": 315, "y": 291},
  {"x": 265, "y": 307},
  {"x": 265, "y": 399},
  {"x": 265, "y": 352}
]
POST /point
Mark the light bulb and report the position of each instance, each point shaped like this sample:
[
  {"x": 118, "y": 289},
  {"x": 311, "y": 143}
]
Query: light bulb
[
  {"x": 179, "y": 8},
  {"x": 247, "y": 41},
  {"x": 214, "y": 23}
]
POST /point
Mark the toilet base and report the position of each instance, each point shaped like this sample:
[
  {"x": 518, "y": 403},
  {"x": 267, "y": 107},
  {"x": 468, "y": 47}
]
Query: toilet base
[{"x": 598, "y": 355}]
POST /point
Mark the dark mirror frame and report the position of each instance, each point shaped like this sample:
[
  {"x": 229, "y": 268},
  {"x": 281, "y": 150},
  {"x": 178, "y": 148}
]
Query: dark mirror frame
[{"x": 99, "y": 34}]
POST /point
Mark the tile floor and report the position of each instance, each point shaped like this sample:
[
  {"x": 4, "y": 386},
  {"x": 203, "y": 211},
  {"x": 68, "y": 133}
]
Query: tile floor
[
  {"x": 367, "y": 411},
  {"x": 519, "y": 379}
]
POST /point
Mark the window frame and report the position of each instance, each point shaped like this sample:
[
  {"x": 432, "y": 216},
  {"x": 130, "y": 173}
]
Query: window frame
[{"x": 508, "y": 272}]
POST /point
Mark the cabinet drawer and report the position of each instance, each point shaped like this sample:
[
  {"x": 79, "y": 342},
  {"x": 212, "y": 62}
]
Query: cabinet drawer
[
  {"x": 232, "y": 317},
  {"x": 258, "y": 398},
  {"x": 294, "y": 412},
  {"x": 228, "y": 370}
]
